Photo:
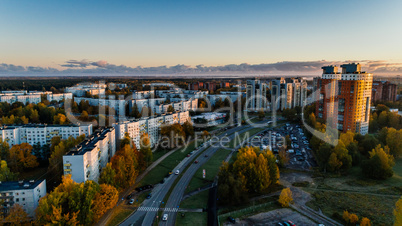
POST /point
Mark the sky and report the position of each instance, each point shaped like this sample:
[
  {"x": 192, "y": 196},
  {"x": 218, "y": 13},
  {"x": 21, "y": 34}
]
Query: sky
[{"x": 198, "y": 36}]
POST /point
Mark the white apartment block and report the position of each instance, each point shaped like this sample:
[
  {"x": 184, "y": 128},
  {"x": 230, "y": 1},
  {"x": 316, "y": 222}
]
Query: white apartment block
[
  {"x": 288, "y": 93},
  {"x": 59, "y": 97},
  {"x": 117, "y": 105},
  {"x": 41, "y": 134},
  {"x": 24, "y": 98},
  {"x": 158, "y": 84},
  {"x": 256, "y": 95},
  {"x": 151, "y": 126},
  {"x": 143, "y": 94},
  {"x": 93, "y": 88},
  {"x": 86, "y": 161},
  {"x": 180, "y": 94},
  {"x": 24, "y": 193}
]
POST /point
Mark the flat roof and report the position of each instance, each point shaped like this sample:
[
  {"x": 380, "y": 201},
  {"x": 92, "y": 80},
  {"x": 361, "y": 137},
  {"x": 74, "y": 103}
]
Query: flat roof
[
  {"x": 19, "y": 185},
  {"x": 89, "y": 143}
]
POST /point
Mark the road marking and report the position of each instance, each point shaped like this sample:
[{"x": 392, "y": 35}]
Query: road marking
[{"x": 156, "y": 209}]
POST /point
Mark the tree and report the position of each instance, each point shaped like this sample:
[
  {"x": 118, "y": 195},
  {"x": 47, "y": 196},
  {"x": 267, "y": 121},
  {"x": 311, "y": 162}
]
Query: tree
[
  {"x": 285, "y": 198},
  {"x": 261, "y": 114},
  {"x": 60, "y": 119},
  {"x": 107, "y": 175},
  {"x": 135, "y": 112},
  {"x": 21, "y": 158},
  {"x": 334, "y": 163},
  {"x": 394, "y": 141},
  {"x": 174, "y": 133},
  {"x": 398, "y": 212},
  {"x": 283, "y": 157},
  {"x": 188, "y": 129},
  {"x": 145, "y": 149},
  {"x": 205, "y": 135},
  {"x": 380, "y": 164},
  {"x": 5, "y": 172},
  {"x": 17, "y": 215},
  {"x": 84, "y": 116},
  {"x": 104, "y": 200},
  {"x": 4, "y": 149},
  {"x": 365, "y": 222},
  {"x": 170, "y": 108}
]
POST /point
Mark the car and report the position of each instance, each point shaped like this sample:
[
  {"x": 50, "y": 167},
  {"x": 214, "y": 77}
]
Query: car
[
  {"x": 231, "y": 220},
  {"x": 205, "y": 155},
  {"x": 177, "y": 172},
  {"x": 196, "y": 161},
  {"x": 188, "y": 155},
  {"x": 291, "y": 223},
  {"x": 170, "y": 172},
  {"x": 280, "y": 224},
  {"x": 291, "y": 151},
  {"x": 131, "y": 202},
  {"x": 149, "y": 196},
  {"x": 286, "y": 223},
  {"x": 165, "y": 217}
]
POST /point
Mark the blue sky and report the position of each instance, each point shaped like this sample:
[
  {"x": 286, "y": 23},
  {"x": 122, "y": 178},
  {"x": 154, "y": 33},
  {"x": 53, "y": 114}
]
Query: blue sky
[{"x": 211, "y": 33}]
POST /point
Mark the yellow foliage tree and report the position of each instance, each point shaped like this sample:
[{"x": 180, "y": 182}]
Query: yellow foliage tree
[
  {"x": 398, "y": 213},
  {"x": 17, "y": 215},
  {"x": 365, "y": 222},
  {"x": 104, "y": 200},
  {"x": 285, "y": 198}
]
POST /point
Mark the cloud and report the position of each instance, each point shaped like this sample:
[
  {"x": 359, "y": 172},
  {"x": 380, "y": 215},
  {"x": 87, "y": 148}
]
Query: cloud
[{"x": 289, "y": 67}]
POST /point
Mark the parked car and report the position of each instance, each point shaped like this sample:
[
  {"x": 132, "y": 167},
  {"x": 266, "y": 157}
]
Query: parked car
[
  {"x": 177, "y": 172},
  {"x": 131, "y": 202},
  {"x": 205, "y": 155},
  {"x": 300, "y": 158},
  {"x": 149, "y": 196},
  {"x": 196, "y": 161},
  {"x": 231, "y": 220},
  {"x": 129, "y": 196},
  {"x": 165, "y": 217},
  {"x": 291, "y": 223}
]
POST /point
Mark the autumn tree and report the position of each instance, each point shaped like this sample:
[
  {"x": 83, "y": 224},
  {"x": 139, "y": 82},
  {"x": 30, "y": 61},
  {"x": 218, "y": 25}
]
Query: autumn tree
[
  {"x": 170, "y": 108},
  {"x": 285, "y": 198},
  {"x": 4, "y": 149},
  {"x": 104, "y": 200},
  {"x": 17, "y": 216},
  {"x": 188, "y": 129},
  {"x": 174, "y": 134},
  {"x": 394, "y": 141},
  {"x": 398, "y": 212},
  {"x": 21, "y": 158},
  {"x": 365, "y": 222},
  {"x": 261, "y": 114},
  {"x": 380, "y": 164},
  {"x": 60, "y": 119},
  {"x": 107, "y": 175},
  {"x": 145, "y": 149},
  {"x": 5, "y": 172},
  {"x": 126, "y": 167}
]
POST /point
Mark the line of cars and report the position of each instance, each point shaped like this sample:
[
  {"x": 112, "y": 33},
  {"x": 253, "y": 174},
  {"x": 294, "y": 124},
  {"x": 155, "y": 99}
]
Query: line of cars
[{"x": 140, "y": 189}]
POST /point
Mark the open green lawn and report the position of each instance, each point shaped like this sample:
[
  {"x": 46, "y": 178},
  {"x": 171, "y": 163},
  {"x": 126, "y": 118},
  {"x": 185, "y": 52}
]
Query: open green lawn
[
  {"x": 197, "y": 201},
  {"x": 377, "y": 209},
  {"x": 211, "y": 168},
  {"x": 240, "y": 137},
  {"x": 157, "y": 174},
  {"x": 119, "y": 215},
  {"x": 192, "y": 219}
]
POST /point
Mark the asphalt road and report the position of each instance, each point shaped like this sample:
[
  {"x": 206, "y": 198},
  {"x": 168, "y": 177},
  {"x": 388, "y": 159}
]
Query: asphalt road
[{"x": 149, "y": 209}]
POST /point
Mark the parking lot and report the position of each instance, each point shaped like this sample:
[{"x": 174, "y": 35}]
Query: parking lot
[{"x": 299, "y": 150}]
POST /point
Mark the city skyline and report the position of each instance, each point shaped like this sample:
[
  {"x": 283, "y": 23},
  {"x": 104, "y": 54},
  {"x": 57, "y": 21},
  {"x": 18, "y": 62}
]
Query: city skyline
[{"x": 276, "y": 37}]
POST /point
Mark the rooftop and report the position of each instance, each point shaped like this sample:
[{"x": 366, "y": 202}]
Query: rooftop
[
  {"x": 89, "y": 143},
  {"x": 19, "y": 185}
]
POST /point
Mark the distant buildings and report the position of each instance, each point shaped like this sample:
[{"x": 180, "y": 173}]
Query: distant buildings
[
  {"x": 288, "y": 93},
  {"x": 210, "y": 86},
  {"x": 118, "y": 105},
  {"x": 149, "y": 125},
  {"x": 20, "y": 96},
  {"x": 23, "y": 193},
  {"x": 211, "y": 118},
  {"x": 41, "y": 134},
  {"x": 86, "y": 160},
  {"x": 92, "y": 88},
  {"x": 384, "y": 91},
  {"x": 256, "y": 95},
  {"x": 158, "y": 84},
  {"x": 344, "y": 98},
  {"x": 225, "y": 84},
  {"x": 59, "y": 97}
]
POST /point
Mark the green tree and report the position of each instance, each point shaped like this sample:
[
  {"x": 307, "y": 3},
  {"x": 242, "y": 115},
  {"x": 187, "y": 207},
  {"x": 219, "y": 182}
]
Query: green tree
[
  {"x": 398, "y": 213},
  {"x": 107, "y": 175},
  {"x": 380, "y": 164},
  {"x": 394, "y": 141},
  {"x": 145, "y": 149}
]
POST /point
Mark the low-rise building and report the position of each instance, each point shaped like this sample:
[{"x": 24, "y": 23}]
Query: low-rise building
[
  {"x": 23, "y": 193},
  {"x": 92, "y": 88},
  {"x": 59, "y": 96},
  {"x": 86, "y": 160}
]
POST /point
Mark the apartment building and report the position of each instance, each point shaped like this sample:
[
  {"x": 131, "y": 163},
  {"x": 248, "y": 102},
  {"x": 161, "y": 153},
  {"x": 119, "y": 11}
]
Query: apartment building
[
  {"x": 23, "y": 193},
  {"x": 40, "y": 133},
  {"x": 59, "y": 96},
  {"x": 344, "y": 98},
  {"x": 256, "y": 95},
  {"x": 137, "y": 95},
  {"x": 86, "y": 160},
  {"x": 25, "y": 98},
  {"x": 92, "y": 88},
  {"x": 149, "y": 125},
  {"x": 384, "y": 91},
  {"x": 288, "y": 92},
  {"x": 118, "y": 105}
]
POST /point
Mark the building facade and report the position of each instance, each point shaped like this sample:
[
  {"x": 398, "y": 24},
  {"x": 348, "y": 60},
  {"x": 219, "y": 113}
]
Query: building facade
[
  {"x": 344, "y": 98},
  {"x": 86, "y": 160},
  {"x": 59, "y": 96},
  {"x": 34, "y": 134},
  {"x": 23, "y": 193},
  {"x": 256, "y": 93},
  {"x": 384, "y": 91}
]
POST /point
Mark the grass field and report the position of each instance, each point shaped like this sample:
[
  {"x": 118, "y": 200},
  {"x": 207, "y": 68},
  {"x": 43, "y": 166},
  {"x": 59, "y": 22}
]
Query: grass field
[
  {"x": 119, "y": 214},
  {"x": 211, "y": 168},
  {"x": 157, "y": 174},
  {"x": 197, "y": 201},
  {"x": 240, "y": 137},
  {"x": 377, "y": 209},
  {"x": 192, "y": 219}
]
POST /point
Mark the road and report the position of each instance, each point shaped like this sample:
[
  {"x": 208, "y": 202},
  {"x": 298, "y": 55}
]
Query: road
[
  {"x": 149, "y": 209},
  {"x": 177, "y": 194}
]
